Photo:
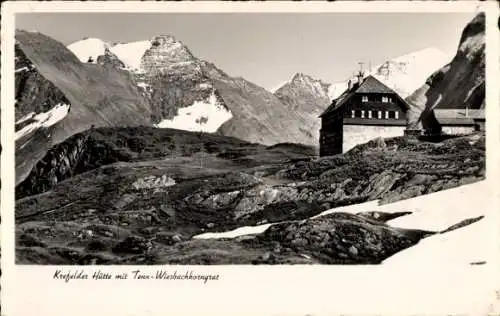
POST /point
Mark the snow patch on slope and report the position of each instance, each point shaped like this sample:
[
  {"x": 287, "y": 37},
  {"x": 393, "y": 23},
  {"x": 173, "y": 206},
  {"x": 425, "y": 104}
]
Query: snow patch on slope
[
  {"x": 202, "y": 116},
  {"x": 88, "y": 48},
  {"x": 131, "y": 53},
  {"x": 439, "y": 210},
  {"x": 21, "y": 69},
  {"x": 241, "y": 231},
  {"x": 433, "y": 212},
  {"x": 465, "y": 245},
  {"x": 42, "y": 120},
  {"x": 436, "y": 212}
]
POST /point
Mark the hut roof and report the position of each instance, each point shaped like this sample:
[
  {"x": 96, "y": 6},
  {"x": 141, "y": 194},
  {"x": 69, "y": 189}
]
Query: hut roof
[{"x": 369, "y": 85}]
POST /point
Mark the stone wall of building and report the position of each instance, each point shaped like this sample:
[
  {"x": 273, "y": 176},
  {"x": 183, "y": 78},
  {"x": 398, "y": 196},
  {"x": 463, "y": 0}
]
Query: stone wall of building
[{"x": 360, "y": 134}]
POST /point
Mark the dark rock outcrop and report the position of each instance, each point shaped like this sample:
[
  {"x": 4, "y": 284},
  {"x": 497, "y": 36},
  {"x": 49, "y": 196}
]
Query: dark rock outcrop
[
  {"x": 110, "y": 59},
  {"x": 342, "y": 238},
  {"x": 34, "y": 93},
  {"x": 459, "y": 84}
]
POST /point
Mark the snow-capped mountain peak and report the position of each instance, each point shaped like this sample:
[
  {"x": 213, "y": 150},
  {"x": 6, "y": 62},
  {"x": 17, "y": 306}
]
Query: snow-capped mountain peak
[
  {"x": 404, "y": 74},
  {"x": 88, "y": 49},
  {"x": 160, "y": 51}
]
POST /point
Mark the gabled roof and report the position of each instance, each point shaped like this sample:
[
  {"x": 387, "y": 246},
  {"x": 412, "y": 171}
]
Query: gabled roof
[
  {"x": 369, "y": 85},
  {"x": 458, "y": 116},
  {"x": 372, "y": 85},
  {"x": 460, "y": 113}
]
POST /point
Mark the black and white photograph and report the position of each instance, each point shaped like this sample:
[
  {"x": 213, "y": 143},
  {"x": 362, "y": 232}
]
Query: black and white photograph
[
  {"x": 182, "y": 158},
  {"x": 258, "y": 139}
]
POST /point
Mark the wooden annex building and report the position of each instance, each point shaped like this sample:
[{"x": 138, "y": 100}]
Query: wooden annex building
[{"x": 366, "y": 110}]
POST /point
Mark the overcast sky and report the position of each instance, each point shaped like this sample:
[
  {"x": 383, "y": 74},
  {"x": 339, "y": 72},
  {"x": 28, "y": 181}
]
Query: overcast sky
[{"x": 268, "y": 48}]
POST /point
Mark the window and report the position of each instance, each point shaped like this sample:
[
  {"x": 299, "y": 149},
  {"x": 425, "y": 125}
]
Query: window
[
  {"x": 362, "y": 114},
  {"x": 364, "y": 98},
  {"x": 380, "y": 114},
  {"x": 386, "y": 114},
  {"x": 391, "y": 114},
  {"x": 353, "y": 114},
  {"x": 397, "y": 115},
  {"x": 385, "y": 99},
  {"x": 357, "y": 113},
  {"x": 369, "y": 114},
  {"x": 390, "y": 100}
]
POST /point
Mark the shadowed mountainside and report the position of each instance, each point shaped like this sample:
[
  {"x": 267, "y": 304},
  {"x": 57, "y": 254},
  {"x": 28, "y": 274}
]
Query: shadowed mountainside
[
  {"x": 58, "y": 96},
  {"x": 459, "y": 84}
]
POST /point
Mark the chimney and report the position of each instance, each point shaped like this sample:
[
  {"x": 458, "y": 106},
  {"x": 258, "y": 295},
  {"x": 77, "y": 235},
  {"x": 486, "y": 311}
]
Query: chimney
[
  {"x": 360, "y": 78},
  {"x": 360, "y": 73}
]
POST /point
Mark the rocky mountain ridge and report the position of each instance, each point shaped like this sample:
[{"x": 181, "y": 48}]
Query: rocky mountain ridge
[
  {"x": 58, "y": 96},
  {"x": 192, "y": 93},
  {"x": 309, "y": 97},
  {"x": 459, "y": 84}
]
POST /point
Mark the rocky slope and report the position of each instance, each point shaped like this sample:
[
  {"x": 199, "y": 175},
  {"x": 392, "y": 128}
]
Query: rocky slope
[
  {"x": 307, "y": 96},
  {"x": 192, "y": 94},
  {"x": 139, "y": 195},
  {"x": 58, "y": 96},
  {"x": 459, "y": 84},
  {"x": 305, "y": 93}
]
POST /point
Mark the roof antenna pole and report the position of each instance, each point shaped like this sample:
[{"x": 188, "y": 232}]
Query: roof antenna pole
[{"x": 361, "y": 67}]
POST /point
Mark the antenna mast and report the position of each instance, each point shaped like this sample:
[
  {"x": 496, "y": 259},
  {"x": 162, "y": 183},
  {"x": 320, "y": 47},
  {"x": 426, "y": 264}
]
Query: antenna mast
[
  {"x": 361, "y": 67},
  {"x": 387, "y": 70}
]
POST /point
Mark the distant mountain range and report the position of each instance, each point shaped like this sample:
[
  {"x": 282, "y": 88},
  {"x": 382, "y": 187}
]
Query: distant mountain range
[
  {"x": 404, "y": 74},
  {"x": 309, "y": 96},
  {"x": 191, "y": 94}
]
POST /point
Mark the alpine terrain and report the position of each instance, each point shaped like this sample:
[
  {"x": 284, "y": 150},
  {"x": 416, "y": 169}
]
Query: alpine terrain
[
  {"x": 58, "y": 96},
  {"x": 141, "y": 153}
]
